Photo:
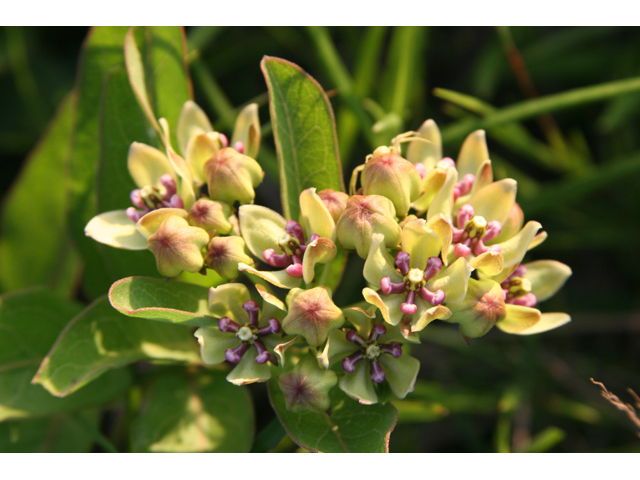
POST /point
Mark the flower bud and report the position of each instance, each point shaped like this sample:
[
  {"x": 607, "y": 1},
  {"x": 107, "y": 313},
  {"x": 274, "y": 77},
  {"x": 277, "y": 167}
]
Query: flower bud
[
  {"x": 392, "y": 176},
  {"x": 306, "y": 386},
  {"x": 364, "y": 216},
  {"x": 312, "y": 314},
  {"x": 210, "y": 215},
  {"x": 232, "y": 176},
  {"x": 225, "y": 253},
  {"x": 335, "y": 202},
  {"x": 177, "y": 246},
  {"x": 481, "y": 309}
]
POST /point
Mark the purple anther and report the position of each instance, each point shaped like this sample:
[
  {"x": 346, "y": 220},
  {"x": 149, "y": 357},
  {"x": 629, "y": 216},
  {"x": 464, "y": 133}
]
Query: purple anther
[
  {"x": 234, "y": 355},
  {"x": 528, "y": 300},
  {"x": 133, "y": 214},
  {"x": 349, "y": 363},
  {"x": 293, "y": 228},
  {"x": 377, "y": 330},
  {"x": 422, "y": 171},
  {"x": 353, "y": 337},
  {"x": 272, "y": 328},
  {"x": 409, "y": 307},
  {"x": 263, "y": 355},
  {"x": 387, "y": 286},
  {"x": 170, "y": 184},
  {"x": 465, "y": 213},
  {"x": 238, "y": 147},
  {"x": 402, "y": 261},
  {"x": 461, "y": 250},
  {"x": 136, "y": 199},
  {"x": 449, "y": 162},
  {"x": 434, "y": 265},
  {"x": 494, "y": 227},
  {"x": 294, "y": 270},
  {"x": 393, "y": 348},
  {"x": 434, "y": 298},
  {"x": 253, "y": 309},
  {"x": 276, "y": 259},
  {"x": 176, "y": 201},
  {"x": 224, "y": 141},
  {"x": 225, "y": 324},
  {"x": 377, "y": 374}
]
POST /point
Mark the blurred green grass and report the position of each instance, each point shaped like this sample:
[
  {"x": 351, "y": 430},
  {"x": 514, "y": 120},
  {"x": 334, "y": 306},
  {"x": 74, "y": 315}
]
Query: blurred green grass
[{"x": 577, "y": 168}]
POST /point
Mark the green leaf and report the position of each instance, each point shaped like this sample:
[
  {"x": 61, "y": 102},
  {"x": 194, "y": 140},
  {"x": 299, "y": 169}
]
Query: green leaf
[
  {"x": 33, "y": 246},
  {"x": 30, "y": 321},
  {"x": 304, "y": 132},
  {"x": 121, "y": 123},
  {"x": 100, "y": 338},
  {"x": 164, "y": 300},
  {"x": 196, "y": 414},
  {"x": 60, "y": 433},
  {"x": 545, "y": 440},
  {"x": 351, "y": 427},
  {"x": 102, "y": 50},
  {"x": 158, "y": 73}
]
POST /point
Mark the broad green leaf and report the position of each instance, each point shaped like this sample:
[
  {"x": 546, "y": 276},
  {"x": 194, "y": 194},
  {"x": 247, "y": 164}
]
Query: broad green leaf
[
  {"x": 203, "y": 413},
  {"x": 351, "y": 427},
  {"x": 304, "y": 132},
  {"x": 103, "y": 50},
  {"x": 30, "y": 321},
  {"x": 121, "y": 123},
  {"x": 60, "y": 433},
  {"x": 164, "y": 300},
  {"x": 100, "y": 338},
  {"x": 33, "y": 245},
  {"x": 157, "y": 67}
]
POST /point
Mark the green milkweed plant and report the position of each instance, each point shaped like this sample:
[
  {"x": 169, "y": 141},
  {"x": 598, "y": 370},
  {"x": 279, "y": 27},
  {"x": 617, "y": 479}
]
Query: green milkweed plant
[{"x": 441, "y": 240}]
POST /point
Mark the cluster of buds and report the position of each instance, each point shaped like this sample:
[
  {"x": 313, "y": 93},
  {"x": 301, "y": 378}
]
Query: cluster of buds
[{"x": 440, "y": 239}]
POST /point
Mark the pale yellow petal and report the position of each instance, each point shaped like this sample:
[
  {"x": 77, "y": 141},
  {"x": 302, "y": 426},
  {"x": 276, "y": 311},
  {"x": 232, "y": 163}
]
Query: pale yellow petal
[
  {"x": 548, "y": 321},
  {"x": 321, "y": 250},
  {"x": 247, "y": 130},
  {"x": 489, "y": 263},
  {"x": 426, "y": 153},
  {"x": 389, "y": 307},
  {"x": 442, "y": 226},
  {"x": 149, "y": 224},
  {"x": 147, "y": 165},
  {"x": 200, "y": 149},
  {"x": 192, "y": 121},
  {"x": 117, "y": 230},
  {"x": 420, "y": 243},
  {"x": 473, "y": 153},
  {"x": 227, "y": 300},
  {"x": 279, "y": 278},
  {"x": 261, "y": 227},
  {"x": 514, "y": 249},
  {"x": 519, "y": 319},
  {"x": 494, "y": 201},
  {"x": 379, "y": 263},
  {"x": 546, "y": 277},
  {"x": 314, "y": 215},
  {"x": 443, "y": 201},
  {"x": 453, "y": 280}
]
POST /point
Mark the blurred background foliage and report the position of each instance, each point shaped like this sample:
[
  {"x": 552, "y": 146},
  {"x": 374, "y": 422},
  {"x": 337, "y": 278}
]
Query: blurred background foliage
[{"x": 561, "y": 107}]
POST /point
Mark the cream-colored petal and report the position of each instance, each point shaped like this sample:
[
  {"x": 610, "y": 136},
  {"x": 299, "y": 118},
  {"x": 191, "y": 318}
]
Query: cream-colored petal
[
  {"x": 271, "y": 299},
  {"x": 321, "y": 250},
  {"x": 473, "y": 153},
  {"x": 361, "y": 319},
  {"x": 213, "y": 344},
  {"x": 426, "y": 153},
  {"x": 337, "y": 347},
  {"x": 546, "y": 277},
  {"x": 149, "y": 224},
  {"x": 389, "y": 306},
  {"x": 192, "y": 121},
  {"x": 420, "y": 243},
  {"x": 453, "y": 280},
  {"x": 314, "y": 215},
  {"x": 379, "y": 263},
  {"x": 430, "y": 186},
  {"x": 494, "y": 201},
  {"x": 200, "y": 149},
  {"x": 227, "y": 300},
  {"x": 443, "y": 201},
  {"x": 279, "y": 278},
  {"x": 511, "y": 226},
  {"x": 280, "y": 348},
  {"x": 261, "y": 227},
  {"x": 538, "y": 239},
  {"x": 514, "y": 249},
  {"x": 186, "y": 189},
  {"x": 401, "y": 373},
  {"x": 248, "y": 371},
  {"x": 147, "y": 165},
  {"x": 442, "y": 226},
  {"x": 428, "y": 315},
  {"x": 519, "y": 319},
  {"x": 247, "y": 130},
  {"x": 489, "y": 263},
  {"x": 358, "y": 385},
  {"x": 484, "y": 177},
  {"x": 115, "y": 229},
  {"x": 548, "y": 321}
]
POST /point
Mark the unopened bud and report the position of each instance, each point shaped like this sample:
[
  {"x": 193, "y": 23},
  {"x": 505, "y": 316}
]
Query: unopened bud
[{"x": 232, "y": 176}]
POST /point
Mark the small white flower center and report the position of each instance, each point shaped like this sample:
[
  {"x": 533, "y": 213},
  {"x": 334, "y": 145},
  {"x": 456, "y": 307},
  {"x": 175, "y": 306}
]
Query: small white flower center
[
  {"x": 519, "y": 286},
  {"x": 476, "y": 227},
  {"x": 151, "y": 196},
  {"x": 244, "y": 334},
  {"x": 288, "y": 243},
  {"x": 414, "y": 279},
  {"x": 373, "y": 351}
]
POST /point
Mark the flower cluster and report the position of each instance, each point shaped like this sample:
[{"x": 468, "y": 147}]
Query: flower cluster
[{"x": 441, "y": 240}]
